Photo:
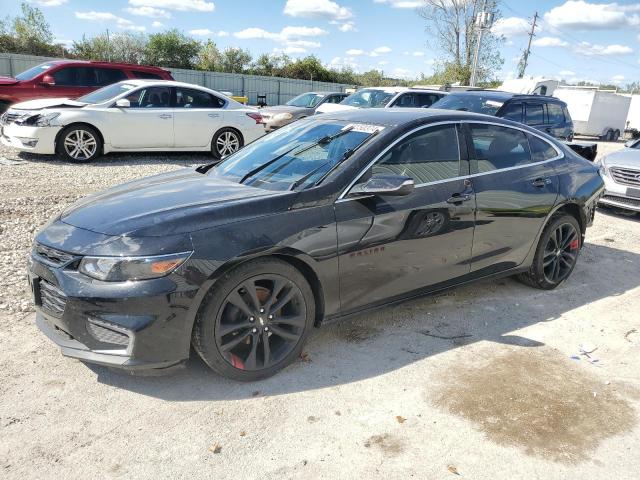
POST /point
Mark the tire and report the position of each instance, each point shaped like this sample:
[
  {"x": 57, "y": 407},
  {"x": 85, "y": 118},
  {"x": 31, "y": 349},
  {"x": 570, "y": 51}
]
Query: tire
[
  {"x": 69, "y": 139},
  {"x": 244, "y": 343},
  {"x": 225, "y": 142},
  {"x": 4, "y": 106},
  {"x": 541, "y": 274},
  {"x": 616, "y": 136}
]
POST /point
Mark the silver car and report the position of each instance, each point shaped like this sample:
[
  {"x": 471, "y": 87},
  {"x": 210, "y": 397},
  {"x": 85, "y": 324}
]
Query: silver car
[
  {"x": 621, "y": 172},
  {"x": 299, "y": 107}
]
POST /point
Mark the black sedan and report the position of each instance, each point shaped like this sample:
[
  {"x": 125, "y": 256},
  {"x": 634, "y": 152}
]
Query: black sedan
[{"x": 327, "y": 217}]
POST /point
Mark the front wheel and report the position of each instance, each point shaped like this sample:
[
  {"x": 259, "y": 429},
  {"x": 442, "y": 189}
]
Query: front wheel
[
  {"x": 79, "y": 144},
  {"x": 225, "y": 142},
  {"x": 255, "y": 320},
  {"x": 556, "y": 253}
]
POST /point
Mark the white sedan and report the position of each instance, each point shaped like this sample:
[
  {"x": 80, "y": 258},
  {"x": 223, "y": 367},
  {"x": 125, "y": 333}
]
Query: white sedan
[{"x": 132, "y": 115}]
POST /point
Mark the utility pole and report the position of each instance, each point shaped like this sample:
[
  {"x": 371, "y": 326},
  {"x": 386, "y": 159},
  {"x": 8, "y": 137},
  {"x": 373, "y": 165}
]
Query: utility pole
[
  {"x": 108, "y": 47},
  {"x": 525, "y": 56},
  {"x": 483, "y": 22}
]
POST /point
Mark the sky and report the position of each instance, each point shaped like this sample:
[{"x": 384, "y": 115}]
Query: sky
[{"x": 575, "y": 40}]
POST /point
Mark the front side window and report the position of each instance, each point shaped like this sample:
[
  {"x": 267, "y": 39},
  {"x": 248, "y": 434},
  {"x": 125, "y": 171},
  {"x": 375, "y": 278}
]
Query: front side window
[
  {"x": 424, "y": 100},
  {"x": 71, "y": 77},
  {"x": 406, "y": 100},
  {"x": 541, "y": 150},
  {"x": 429, "y": 155},
  {"x": 496, "y": 147},
  {"x": 534, "y": 114},
  {"x": 191, "y": 98},
  {"x": 151, "y": 97},
  {"x": 368, "y": 98}
]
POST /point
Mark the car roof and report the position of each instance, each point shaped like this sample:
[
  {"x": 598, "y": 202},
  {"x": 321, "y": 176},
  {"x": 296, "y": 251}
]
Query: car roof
[
  {"x": 107, "y": 64},
  {"x": 386, "y": 89},
  {"x": 503, "y": 96}
]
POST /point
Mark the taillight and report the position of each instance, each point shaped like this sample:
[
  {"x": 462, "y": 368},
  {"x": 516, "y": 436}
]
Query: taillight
[{"x": 256, "y": 116}]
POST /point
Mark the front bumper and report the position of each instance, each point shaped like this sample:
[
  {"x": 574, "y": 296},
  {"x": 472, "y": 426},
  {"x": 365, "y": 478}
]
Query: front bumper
[
  {"x": 30, "y": 139},
  {"x": 621, "y": 196}
]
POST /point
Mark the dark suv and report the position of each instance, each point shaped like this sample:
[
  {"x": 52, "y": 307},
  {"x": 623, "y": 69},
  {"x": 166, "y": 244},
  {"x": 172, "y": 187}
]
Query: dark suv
[
  {"x": 547, "y": 114},
  {"x": 70, "y": 79}
]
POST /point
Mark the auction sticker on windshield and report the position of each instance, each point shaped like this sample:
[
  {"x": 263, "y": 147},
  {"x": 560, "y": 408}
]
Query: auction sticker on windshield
[{"x": 363, "y": 127}]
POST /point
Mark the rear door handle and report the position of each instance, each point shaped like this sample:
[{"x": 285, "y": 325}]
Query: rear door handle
[
  {"x": 164, "y": 116},
  {"x": 541, "y": 182},
  {"x": 459, "y": 198}
]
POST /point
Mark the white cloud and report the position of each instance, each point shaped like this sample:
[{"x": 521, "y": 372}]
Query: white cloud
[
  {"x": 303, "y": 44},
  {"x": 325, "y": 9},
  {"x": 589, "y": 49},
  {"x": 150, "y": 12},
  {"x": 182, "y": 5},
  {"x": 48, "y": 3},
  {"x": 617, "y": 78},
  {"x": 122, "y": 23},
  {"x": 549, "y": 42},
  {"x": 348, "y": 27},
  {"x": 402, "y": 3},
  {"x": 383, "y": 62},
  {"x": 379, "y": 51},
  {"x": 581, "y": 15},
  {"x": 567, "y": 73},
  {"x": 355, "y": 52},
  {"x": 290, "y": 50},
  {"x": 223, "y": 33},
  {"x": 285, "y": 35},
  {"x": 511, "y": 27},
  {"x": 157, "y": 24},
  {"x": 202, "y": 32}
]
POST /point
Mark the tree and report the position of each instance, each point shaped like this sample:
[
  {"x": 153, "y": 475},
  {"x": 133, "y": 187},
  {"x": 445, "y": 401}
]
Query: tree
[
  {"x": 28, "y": 33},
  {"x": 235, "y": 60},
  {"x": 209, "y": 57},
  {"x": 452, "y": 24},
  {"x": 172, "y": 49},
  {"x": 120, "y": 47}
]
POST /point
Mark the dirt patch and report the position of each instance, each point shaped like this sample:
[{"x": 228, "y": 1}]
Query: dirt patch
[
  {"x": 354, "y": 333},
  {"x": 539, "y": 401},
  {"x": 388, "y": 444}
]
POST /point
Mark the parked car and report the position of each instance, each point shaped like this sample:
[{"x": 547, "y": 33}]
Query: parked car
[
  {"x": 621, "y": 173},
  {"x": 326, "y": 217},
  {"x": 386, "y": 97},
  {"x": 70, "y": 79},
  {"x": 132, "y": 116},
  {"x": 298, "y": 107}
]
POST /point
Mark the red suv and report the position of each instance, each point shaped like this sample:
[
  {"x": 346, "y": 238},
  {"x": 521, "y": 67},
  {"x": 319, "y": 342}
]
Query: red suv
[{"x": 70, "y": 79}]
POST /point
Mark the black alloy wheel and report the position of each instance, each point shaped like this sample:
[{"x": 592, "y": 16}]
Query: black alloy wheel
[
  {"x": 255, "y": 320},
  {"x": 556, "y": 254}
]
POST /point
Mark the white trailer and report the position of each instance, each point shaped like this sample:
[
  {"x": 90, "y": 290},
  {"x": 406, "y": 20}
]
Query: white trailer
[
  {"x": 633, "y": 118},
  {"x": 595, "y": 113},
  {"x": 530, "y": 86}
]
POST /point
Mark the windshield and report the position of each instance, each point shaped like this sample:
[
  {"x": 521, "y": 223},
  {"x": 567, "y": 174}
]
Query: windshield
[
  {"x": 106, "y": 93},
  {"x": 306, "y": 100},
  {"x": 33, "y": 72},
  {"x": 469, "y": 103},
  {"x": 290, "y": 158},
  {"x": 368, "y": 98}
]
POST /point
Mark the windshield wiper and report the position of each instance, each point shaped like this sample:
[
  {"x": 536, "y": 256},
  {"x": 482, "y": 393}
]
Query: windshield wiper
[{"x": 321, "y": 141}]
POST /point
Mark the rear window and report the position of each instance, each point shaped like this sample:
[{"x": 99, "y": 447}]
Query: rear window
[{"x": 146, "y": 75}]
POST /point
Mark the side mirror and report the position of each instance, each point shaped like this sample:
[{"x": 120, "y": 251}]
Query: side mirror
[
  {"x": 48, "y": 81},
  {"x": 123, "y": 103},
  {"x": 385, "y": 185},
  {"x": 631, "y": 143}
]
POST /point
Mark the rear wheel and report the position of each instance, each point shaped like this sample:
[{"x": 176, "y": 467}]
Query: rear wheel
[
  {"x": 225, "y": 142},
  {"x": 556, "y": 253},
  {"x": 255, "y": 321},
  {"x": 79, "y": 144},
  {"x": 616, "y": 135}
]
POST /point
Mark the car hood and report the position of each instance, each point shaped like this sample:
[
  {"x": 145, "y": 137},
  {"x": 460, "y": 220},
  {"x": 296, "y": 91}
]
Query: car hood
[
  {"x": 177, "y": 202},
  {"x": 47, "y": 103},
  {"x": 627, "y": 157},
  {"x": 333, "y": 107},
  {"x": 8, "y": 81}
]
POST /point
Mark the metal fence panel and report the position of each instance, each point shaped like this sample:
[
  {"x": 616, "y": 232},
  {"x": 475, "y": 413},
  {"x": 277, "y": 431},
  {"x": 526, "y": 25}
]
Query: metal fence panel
[{"x": 277, "y": 90}]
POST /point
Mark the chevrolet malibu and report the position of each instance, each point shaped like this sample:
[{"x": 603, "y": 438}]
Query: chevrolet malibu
[
  {"x": 327, "y": 217},
  {"x": 132, "y": 116}
]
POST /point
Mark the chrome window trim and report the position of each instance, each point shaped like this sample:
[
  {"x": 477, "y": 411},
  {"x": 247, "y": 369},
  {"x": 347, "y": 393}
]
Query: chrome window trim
[{"x": 560, "y": 155}]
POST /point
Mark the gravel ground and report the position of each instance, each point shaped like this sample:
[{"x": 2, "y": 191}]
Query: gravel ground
[{"x": 479, "y": 381}]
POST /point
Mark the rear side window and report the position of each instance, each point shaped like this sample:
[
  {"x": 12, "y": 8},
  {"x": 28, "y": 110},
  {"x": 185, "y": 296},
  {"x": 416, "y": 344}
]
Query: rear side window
[
  {"x": 497, "y": 147},
  {"x": 513, "y": 112},
  {"x": 541, "y": 150},
  {"x": 534, "y": 114},
  {"x": 567, "y": 117},
  {"x": 555, "y": 113},
  {"x": 426, "y": 156},
  {"x": 191, "y": 98},
  {"x": 334, "y": 99},
  {"x": 107, "y": 76},
  {"x": 146, "y": 75}
]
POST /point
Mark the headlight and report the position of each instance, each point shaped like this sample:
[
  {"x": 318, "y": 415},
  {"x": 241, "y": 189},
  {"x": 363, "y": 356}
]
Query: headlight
[
  {"x": 602, "y": 167},
  {"x": 283, "y": 116},
  {"x": 121, "y": 269},
  {"x": 45, "y": 120}
]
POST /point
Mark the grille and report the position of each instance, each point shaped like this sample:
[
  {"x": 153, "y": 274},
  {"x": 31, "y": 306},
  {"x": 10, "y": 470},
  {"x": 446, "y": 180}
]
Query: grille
[
  {"x": 52, "y": 298},
  {"x": 626, "y": 176},
  {"x": 52, "y": 256},
  {"x": 107, "y": 335},
  {"x": 634, "y": 202}
]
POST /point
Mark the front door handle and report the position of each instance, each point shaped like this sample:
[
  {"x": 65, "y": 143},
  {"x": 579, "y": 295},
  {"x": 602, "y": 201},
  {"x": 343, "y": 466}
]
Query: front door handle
[
  {"x": 459, "y": 198},
  {"x": 164, "y": 116},
  {"x": 214, "y": 115},
  {"x": 541, "y": 182}
]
